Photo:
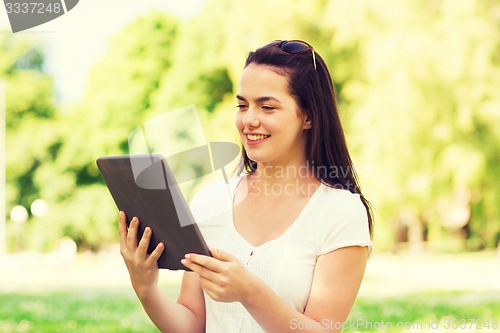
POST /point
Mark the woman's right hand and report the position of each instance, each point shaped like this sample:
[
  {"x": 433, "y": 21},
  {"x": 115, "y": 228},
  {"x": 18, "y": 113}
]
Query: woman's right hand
[{"x": 142, "y": 267}]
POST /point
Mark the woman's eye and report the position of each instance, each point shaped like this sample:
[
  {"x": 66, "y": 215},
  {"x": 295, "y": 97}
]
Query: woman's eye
[
  {"x": 268, "y": 107},
  {"x": 241, "y": 106}
]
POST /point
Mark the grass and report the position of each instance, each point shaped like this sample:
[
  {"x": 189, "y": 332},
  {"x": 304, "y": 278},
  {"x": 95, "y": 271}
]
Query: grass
[
  {"x": 118, "y": 310},
  {"x": 81, "y": 311},
  {"x": 399, "y": 294},
  {"x": 447, "y": 311},
  {"x": 84, "y": 310}
]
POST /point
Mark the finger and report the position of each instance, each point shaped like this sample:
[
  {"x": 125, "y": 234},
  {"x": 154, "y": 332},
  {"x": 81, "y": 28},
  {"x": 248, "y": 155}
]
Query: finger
[
  {"x": 192, "y": 266},
  {"x": 222, "y": 255},
  {"x": 213, "y": 263},
  {"x": 211, "y": 288},
  {"x": 122, "y": 230},
  {"x": 213, "y": 295},
  {"x": 132, "y": 234},
  {"x": 143, "y": 246},
  {"x": 155, "y": 255},
  {"x": 210, "y": 263}
]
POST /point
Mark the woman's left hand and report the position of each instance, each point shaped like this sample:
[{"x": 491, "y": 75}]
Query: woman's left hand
[{"x": 223, "y": 277}]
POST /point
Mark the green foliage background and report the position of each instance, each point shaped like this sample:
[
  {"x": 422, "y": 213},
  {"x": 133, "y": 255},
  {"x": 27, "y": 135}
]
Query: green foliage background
[{"x": 418, "y": 81}]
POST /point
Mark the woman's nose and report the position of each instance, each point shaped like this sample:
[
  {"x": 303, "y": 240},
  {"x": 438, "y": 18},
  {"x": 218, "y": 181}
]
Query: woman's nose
[{"x": 250, "y": 119}]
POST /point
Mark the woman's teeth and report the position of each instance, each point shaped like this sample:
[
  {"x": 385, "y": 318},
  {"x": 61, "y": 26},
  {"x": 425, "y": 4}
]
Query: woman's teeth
[{"x": 253, "y": 137}]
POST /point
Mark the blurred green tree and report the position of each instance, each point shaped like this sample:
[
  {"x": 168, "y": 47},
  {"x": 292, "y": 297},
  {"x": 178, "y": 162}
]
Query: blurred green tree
[
  {"x": 418, "y": 91},
  {"x": 423, "y": 110},
  {"x": 30, "y": 120},
  {"x": 117, "y": 99}
]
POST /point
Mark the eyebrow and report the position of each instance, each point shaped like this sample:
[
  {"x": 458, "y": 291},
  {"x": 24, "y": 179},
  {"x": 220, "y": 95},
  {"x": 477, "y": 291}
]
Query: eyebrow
[{"x": 260, "y": 99}]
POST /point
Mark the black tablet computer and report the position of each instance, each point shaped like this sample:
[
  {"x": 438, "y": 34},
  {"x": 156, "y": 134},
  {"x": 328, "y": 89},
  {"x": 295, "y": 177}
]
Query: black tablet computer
[{"x": 144, "y": 186}]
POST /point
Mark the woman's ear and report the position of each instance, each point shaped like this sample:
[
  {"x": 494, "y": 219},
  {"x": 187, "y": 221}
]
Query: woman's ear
[{"x": 307, "y": 123}]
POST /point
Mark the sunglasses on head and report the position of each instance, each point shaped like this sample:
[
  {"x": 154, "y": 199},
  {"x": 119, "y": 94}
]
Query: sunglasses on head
[{"x": 294, "y": 47}]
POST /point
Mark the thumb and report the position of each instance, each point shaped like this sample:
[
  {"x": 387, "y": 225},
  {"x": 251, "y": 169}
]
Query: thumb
[{"x": 222, "y": 255}]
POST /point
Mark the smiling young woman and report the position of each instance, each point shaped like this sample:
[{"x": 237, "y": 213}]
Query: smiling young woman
[{"x": 289, "y": 237}]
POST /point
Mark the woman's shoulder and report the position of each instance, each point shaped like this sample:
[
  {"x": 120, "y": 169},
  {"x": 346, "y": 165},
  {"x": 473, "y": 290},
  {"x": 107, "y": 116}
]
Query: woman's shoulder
[
  {"x": 343, "y": 221},
  {"x": 341, "y": 200},
  {"x": 341, "y": 210},
  {"x": 213, "y": 198}
]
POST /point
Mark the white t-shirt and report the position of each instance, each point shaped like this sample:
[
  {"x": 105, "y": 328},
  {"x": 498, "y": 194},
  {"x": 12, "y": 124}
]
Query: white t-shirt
[{"x": 332, "y": 219}]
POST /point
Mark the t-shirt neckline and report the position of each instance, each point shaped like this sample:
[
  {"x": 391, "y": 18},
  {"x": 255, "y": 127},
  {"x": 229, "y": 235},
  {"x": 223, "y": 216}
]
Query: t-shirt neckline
[{"x": 291, "y": 227}]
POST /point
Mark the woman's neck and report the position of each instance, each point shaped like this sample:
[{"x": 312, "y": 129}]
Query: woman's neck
[{"x": 291, "y": 179}]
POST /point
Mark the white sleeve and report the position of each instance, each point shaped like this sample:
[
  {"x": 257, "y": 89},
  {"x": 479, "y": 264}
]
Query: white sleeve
[
  {"x": 345, "y": 224},
  {"x": 210, "y": 201}
]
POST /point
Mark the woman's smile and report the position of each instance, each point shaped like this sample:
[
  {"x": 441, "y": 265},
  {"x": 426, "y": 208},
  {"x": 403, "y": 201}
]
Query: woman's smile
[
  {"x": 253, "y": 139},
  {"x": 272, "y": 127}
]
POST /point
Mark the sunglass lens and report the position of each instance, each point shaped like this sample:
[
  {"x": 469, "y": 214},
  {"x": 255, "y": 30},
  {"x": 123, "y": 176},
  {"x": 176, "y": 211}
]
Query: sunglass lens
[{"x": 295, "y": 47}]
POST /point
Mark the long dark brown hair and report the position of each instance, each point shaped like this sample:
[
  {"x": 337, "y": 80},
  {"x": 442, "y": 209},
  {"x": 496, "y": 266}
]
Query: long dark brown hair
[{"x": 312, "y": 87}]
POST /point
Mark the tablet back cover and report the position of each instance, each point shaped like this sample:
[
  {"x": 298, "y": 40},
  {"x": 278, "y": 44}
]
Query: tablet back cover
[{"x": 144, "y": 186}]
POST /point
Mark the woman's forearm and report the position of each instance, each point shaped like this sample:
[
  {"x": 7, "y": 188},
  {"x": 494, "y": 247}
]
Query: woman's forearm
[
  {"x": 168, "y": 315},
  {"x": 274, "y": 315},
  {"x": 330, "y": 301}
]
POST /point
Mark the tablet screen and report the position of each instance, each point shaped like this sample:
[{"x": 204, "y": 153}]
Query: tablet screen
[{"x": 144, "y": 186}]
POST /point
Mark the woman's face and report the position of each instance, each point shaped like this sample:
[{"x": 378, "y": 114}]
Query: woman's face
[{"x": 271, "y": 125}]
